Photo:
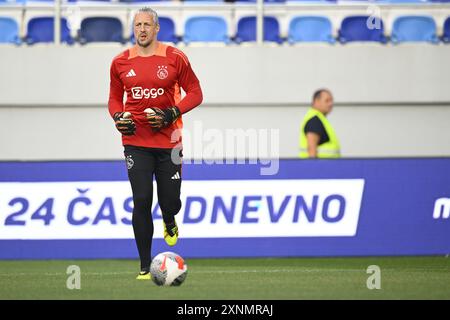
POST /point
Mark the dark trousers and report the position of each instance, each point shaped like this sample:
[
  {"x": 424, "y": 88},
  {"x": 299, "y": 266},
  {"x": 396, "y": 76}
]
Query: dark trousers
[{"x": 143, "y": 164}]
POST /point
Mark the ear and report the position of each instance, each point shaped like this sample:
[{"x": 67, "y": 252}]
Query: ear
[{"x": 157, "y": 28}]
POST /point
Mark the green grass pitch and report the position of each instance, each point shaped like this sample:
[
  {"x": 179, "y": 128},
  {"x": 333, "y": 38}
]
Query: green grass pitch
[{"x": 264, "y": 278}]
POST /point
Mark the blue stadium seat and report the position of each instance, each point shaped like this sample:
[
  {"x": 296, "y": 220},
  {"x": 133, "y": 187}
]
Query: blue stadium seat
[
  {"x": 446, "y": 31},
  {"x": 101, "y": 29},
  {"x": 355, "y": 28},
  {"x": 403, "y": 1},
  {"x": 131, "y": 1},
  {"x": 266, "y": 1},
  {"x": 203, "y": 0},
  {"x": 167, "y": 30},
  {"x": 414, "y": 29},
  {"x": 41, "y": 30},
  {"x": 9, "y": 30},
  {"x": 310, "y": 29},
  {"x": 206, "y": 29},
  {"x": 246, "y": 30},
  {"x": 319, "y": 1},
  {"x": 25, "y": 1}
]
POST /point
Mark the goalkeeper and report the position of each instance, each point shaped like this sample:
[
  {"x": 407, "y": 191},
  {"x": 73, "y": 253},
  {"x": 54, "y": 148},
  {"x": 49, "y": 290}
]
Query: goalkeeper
[{"x": 152, "y": 73}]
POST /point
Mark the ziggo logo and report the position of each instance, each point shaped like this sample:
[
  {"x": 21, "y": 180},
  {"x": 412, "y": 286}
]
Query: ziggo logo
[{"x": 140, "y": 93}]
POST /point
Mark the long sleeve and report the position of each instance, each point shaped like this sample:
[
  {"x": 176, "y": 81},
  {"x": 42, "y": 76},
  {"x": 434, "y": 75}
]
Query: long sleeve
[
  {"x": 116, "y": 90},
  {"x": 189, "y": 83}
]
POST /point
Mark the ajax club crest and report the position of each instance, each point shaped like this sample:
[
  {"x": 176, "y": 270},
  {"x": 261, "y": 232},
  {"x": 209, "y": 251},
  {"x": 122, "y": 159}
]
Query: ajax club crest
[
  {"x": 130, "y": 162},
  {"x": 162, "y": 72}
]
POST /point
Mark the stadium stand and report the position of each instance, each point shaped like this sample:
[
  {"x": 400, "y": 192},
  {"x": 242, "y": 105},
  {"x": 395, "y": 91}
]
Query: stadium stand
[
  {"x": 203, "y": 0},
  {"x": 310, "y": 29},
  {"x": 446, "y": 33},
  {"x": 355, "y": 28},
  {"x": 9, "y": 30},
  {"x": 403, "y": 1},
  {"x": 101, "y": 29},
  {"x": 318, "y": 1},
  {"x": 266, "y": 1},
  {"x": 206, "y": 29},
  {"x": 289, "y": 22},
  {"x": 414, "y": 29},
  {"x": 137, "y": 1},
  {"x": 41, "y": 30},
  {"x": 246, "y": 30}
]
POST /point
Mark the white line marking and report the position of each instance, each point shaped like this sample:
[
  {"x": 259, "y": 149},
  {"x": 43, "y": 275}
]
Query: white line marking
[{"x": 363, "y": 271}]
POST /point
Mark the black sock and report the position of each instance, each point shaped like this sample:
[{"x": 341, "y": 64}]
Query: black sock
[{"x": 143, "y": 233}]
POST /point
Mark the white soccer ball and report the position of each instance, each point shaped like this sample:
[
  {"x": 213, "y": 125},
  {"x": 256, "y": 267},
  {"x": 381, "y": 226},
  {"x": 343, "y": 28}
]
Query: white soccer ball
[
  {"x": 149, "y": 111},
  {"x": 168, "y": 269},
  {"x": 126, "y": 115}
]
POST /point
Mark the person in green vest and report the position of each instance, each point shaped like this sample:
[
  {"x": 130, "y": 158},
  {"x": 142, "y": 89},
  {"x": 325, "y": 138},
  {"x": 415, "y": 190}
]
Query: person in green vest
[{"x": 317, "y": 137}]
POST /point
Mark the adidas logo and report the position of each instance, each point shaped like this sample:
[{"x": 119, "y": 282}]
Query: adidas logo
[
  {"x": 176, "y": 176},
  {"x": 131, "y": 73}
]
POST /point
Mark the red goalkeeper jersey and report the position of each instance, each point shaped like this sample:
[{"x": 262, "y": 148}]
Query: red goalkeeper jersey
[{"x": 153, "y": 81}]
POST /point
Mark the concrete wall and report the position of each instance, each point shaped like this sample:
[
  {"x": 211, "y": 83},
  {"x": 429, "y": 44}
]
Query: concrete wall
[
  {"x": 235, "y": 75},
  {"x": 390, "y": 100},
  {"x": 31, "y": 133}
]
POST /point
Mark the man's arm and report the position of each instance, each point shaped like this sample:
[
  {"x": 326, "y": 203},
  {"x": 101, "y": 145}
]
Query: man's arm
[
  {"x": 314, "y": 130},
  {"x": 312, "y": 140},
  {"x": 189, "y": 83},
  {"x": 115, "y": 103}
]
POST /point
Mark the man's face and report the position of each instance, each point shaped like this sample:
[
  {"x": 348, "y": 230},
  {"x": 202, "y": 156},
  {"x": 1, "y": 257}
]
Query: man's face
[
  {"x": 145, "y": 30},
  {"x": 324, "y": 102}
]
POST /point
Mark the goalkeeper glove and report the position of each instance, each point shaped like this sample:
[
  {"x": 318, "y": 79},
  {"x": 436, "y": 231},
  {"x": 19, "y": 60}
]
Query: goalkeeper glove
[
  {"x": 125, "y": 126},
  {"x": 163, "y": 118}
]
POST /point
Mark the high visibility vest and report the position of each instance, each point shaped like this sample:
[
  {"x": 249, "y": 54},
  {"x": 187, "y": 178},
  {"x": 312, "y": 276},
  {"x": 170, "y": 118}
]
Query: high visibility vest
[{"x": 329, "y": 149}]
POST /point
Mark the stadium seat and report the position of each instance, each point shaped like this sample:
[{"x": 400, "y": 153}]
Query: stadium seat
[
  {"x": 446, "y": 31},
  {"x": 266, "y": 1},
  {"x": 26, "y": 1},
  {"x": 166, "y": 31},
  {"x": 319, "y": 1},
  {"x": 403, "y": 1},
  {"x": 41, "y": 30},
  {"x": 414, "y": 29},
  {"x": 246, "y": 30},
  {"x": 310, "y": 29},
  {"x": 101, "y": 29},
  {"x": 131, "y": 1},
  {"x": 354, "y": 28},
  {"x": 9, "y": 30},
  {"x": 206, "y": 29}
]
